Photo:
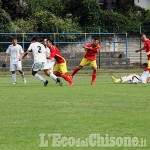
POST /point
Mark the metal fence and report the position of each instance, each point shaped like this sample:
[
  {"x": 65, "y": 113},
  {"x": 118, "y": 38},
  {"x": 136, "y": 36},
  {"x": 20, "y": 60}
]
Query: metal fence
[{"x": 114, "y": 53}]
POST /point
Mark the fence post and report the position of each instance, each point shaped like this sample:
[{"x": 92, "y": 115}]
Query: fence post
[
  {"x": 140, "y": 47},
  {"x": 23, "y": 35},
  {"x": 55, "y": 38}
]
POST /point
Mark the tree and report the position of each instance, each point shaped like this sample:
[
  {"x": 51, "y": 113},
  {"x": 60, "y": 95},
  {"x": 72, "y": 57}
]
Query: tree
[
  {"x": 17, "y": 9},
  {"x": 86, "y": 11},
  {"x": 5, "y": 21}
]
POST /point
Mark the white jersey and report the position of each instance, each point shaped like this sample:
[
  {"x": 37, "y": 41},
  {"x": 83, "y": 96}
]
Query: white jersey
[
  {"x": 48, "y": 54},
  {"x": 49, "y": 61},
  {"x": 144, "y": 77},
  {"x": 39, "y": 52},
  {"x": 15, "y": 52}
]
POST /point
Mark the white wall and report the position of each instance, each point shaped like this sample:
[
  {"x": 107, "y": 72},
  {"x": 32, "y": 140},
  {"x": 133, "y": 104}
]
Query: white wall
[{"x": 142, "y": 3}]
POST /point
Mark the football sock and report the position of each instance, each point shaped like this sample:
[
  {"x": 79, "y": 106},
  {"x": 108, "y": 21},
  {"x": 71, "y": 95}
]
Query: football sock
[
  {"x": 93, "y": 78},
  {"x": 75, "y": 71},
  {"x": 117, "y": 80},
  {"x": 67, "y": 77},
  {"x": 53, "y": 76},
  {"x": 58, "y": 74},
  {"x": 23, "y": 77},
  {"x": 14, "y": 78},
  {"x": 39, "y": 77}
]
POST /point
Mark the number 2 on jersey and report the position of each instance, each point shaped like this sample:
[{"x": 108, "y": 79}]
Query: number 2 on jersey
[{"x": 39, "y": 49}]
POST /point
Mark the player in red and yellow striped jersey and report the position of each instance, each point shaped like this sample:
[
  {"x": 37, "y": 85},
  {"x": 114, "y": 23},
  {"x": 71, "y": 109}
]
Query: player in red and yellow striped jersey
[
  {"x": 146, "y": 47},
  {"x": 60, "y": 68},
  {"x": 91, "y": 49}
]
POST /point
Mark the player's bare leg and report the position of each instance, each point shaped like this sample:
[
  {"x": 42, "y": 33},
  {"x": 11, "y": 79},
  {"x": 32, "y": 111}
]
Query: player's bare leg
[
  {"x": 23, "y": 77},
  {"x": 93, "y": 75},
  {"x": 76, "y": 70},
  {"x": 13, "y": 77},
  {"x": 49, "y": 73},
  {"x": 39, "y": 77}
]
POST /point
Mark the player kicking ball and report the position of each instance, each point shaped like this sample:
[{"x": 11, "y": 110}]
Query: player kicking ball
[
  {"x": 133, "y": 78},
  {"x": 40, "y": 61},
  {"x": 15, "y": 51}
]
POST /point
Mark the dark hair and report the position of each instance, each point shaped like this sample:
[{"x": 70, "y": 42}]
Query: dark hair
[
  {"x": 44, "y": 39},
  {"x": 145, "y": 65},
  {"x": 96, "y": 39},
  {"x": 35, "y": 38},
  {"x": 50, "y": 40},
  {"x": 14, "y": 38},
  {"x": 142, "y": 34}
]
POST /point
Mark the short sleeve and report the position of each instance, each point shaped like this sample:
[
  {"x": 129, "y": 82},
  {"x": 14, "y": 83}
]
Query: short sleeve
[
  {"x": 88, "y": 44},
  {"x": 8, "y": 50},
  {"x": 21, "y": 50},
  {"x": 30, "y": 48}
]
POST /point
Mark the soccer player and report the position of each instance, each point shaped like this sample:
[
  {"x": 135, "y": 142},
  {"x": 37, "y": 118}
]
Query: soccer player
[
  {"x": 40, "y": 61},
  {"x": 60, "y": 68},
  {"x": 133, "y": 78},
  {"x": 15, "y": 51},
  {"x": 91, "y": 49},
  {"x": 50, "y": 62},
  {"x": 146, "y": 47}
]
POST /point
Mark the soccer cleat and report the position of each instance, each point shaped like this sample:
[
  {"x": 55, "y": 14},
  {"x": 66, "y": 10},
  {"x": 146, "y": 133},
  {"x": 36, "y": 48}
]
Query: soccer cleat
[
  {"x": 58, "y": 81},
  {"x": 15, "y": 83},
  {"x": 121, "y": 79},
  {"x": 45, "y": 83},
  {"x": 114, "y": 79}
]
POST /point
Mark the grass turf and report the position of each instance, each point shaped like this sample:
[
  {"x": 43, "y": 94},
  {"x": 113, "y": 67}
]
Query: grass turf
[{"x": 119, "y": 110}]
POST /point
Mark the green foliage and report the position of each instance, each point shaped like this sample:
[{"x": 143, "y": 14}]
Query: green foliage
[
  {"x": 48, "y": 22},
  {"x": 5, "y": 21},
  {"x": 53, "y": 6},
  {"x": 25, "y": 25},
  {"x": 86, "y": 11},
  {"x": 70, "y": 16},
  {"x": 114, "y": 22},
  {"x": 16, "y": 8}
]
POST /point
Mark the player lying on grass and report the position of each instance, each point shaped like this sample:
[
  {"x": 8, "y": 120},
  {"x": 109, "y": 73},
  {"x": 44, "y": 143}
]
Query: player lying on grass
[
  {"x": 91, "y": 49},
  {"x": 133, "y": 78},
  {"x": 40, "y": 61}
]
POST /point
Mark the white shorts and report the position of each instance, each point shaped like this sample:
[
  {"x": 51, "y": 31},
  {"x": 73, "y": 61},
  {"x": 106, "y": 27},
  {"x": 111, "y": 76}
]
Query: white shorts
[
  {"x": 40, "y": 66},
  {"x": 16, "y": 66},
  {"x": 51, "y": 65}
]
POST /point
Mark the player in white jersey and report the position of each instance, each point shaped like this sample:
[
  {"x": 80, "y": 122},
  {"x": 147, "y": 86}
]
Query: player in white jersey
[
  {"x": 15, "y": 51},
  {"x": 50, "y": 62},
  {"x": 40, "y": 61},
  {"x": 134, "y": 78}
]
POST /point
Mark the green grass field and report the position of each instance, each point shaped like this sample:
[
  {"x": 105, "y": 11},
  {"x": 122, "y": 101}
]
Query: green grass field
[{"x": 26, "y": 111}]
